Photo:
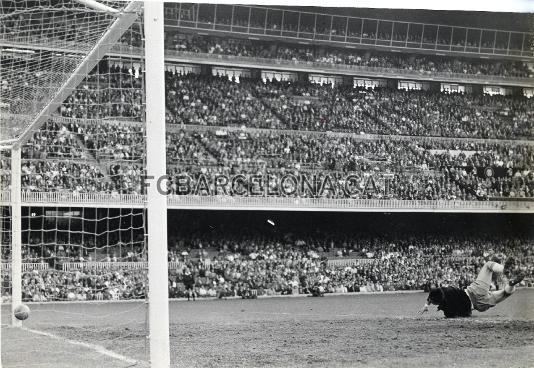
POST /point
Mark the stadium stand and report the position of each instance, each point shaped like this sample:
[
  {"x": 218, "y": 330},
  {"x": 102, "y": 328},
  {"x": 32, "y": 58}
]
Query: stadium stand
[
  {"x": 232, "y": 264},
  {"x": 323, "y": 55},
  {"x": 107, "y": 157},
  {"x": 216, "y": 100},
  {"x": 424, "y": 144}
]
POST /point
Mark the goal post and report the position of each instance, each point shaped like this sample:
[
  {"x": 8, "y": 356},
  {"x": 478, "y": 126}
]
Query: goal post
[
  {"x": 158, "y": 292},
  {"x": 16, "y": 238}
]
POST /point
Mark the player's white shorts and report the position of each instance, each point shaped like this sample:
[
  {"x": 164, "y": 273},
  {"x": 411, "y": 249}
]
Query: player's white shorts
[{"x": 481, "y": 296}]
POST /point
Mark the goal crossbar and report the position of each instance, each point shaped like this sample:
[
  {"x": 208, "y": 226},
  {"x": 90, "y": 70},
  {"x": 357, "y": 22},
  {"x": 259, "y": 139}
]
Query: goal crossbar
[{"x": 97, "y": 6}]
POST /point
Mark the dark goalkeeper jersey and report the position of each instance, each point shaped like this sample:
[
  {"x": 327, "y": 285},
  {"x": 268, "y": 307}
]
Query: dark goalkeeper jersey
[{"x": 456, "y": 303}]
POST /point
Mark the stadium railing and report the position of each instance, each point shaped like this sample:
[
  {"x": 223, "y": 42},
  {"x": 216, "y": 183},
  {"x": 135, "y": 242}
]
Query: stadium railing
[
  {"x": 349, "y": 262},
  {"x": 104, "y": 200},
  {"x": 336, "y": 68},
  {"x": 296, "y": 65},
  {"x": 27, "y": 266},
  {"x": 308, "y": 31},
  {"x": 189, "y": 201},
  {"x": 72, "y": 266},
  {"x": 202, "y": 128},
  {"x": 310, "y": 66},
  {"x": 411, "y": 138}
]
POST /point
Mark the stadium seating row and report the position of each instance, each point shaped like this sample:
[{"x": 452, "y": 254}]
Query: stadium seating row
[
  {"x": 107, "y": 157},
  {"x": 289, "y": 266},
  {"x": 31, "y": 27},
  {"x": 213, "y": 100},
  {"x": 321, "y": 54}
]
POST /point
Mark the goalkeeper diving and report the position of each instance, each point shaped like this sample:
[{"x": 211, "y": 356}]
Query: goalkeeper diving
[{"x": 456, "y": 302}]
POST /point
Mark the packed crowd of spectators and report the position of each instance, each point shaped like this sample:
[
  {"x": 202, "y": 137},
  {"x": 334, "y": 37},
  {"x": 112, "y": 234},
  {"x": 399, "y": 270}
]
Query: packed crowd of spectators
[
  {"x": 82, "y": 157},
  {"x": 213, "y": 100},
  {"x": 97, "y": 156},
  {"x": 5, "y": 172},
  {"x": 216, "y": 100},
  {"x": 24, "y": 27},
  {"x": 235, "y": 264},
  {"x": 78, "y": 177},
  {"x": 55, "y": 247},
  {"x": 113, "y": 91},
  {"x": 118, "y": 142},
  {"x": 306, "y": 106},
  {"x": 325, "y": 55},
  {"x": 72, "y": 27},
  {"x": 450, "y": 184},
  {"x": 71, "y": 139},
  {"x": 108, "y": 158},
  {"x": 61, "y": 175},
  {"x": 451, "y": 115},
  {"x": 53, "y": 141},
  {"x": 419, "y": 170},
  {"x": 53, "y": 285}
]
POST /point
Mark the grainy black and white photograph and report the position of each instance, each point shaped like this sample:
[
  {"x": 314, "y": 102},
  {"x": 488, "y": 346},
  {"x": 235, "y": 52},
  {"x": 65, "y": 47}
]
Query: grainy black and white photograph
[{"x": 266, "y": 185}]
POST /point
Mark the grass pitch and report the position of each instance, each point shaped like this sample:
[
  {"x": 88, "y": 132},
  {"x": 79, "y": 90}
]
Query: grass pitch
[{"x": 375, "y": 330}]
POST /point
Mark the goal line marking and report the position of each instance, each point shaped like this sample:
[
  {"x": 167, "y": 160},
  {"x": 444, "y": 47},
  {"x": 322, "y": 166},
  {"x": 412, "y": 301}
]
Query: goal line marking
[{"x": 97, "y": 348}]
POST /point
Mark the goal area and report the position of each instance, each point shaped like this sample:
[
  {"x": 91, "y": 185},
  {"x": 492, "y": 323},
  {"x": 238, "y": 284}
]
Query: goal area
[{"x": 82, "y": 112}]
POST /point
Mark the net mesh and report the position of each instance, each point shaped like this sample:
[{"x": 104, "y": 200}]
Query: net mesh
[
  {"x": 72, "y": 253},
  {"x": 42, "y": 43},
  {"x": 94, "y": 141}
]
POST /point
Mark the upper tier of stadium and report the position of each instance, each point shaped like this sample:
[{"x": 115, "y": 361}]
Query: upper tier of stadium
[
  {"x": 413, "y": 143},
  {"x": 425, "y": 124},
  {"x": 473, "y": 34},
  {"x": 43, "y": 44}
]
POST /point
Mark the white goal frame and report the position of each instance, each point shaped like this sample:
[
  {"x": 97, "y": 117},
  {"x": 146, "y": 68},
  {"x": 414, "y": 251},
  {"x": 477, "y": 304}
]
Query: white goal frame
[
  {"x": 158, "y": 292},
  {"x": 156, "y": 205}
]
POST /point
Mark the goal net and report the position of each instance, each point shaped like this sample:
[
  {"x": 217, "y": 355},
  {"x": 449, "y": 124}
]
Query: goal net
[
  {"x": 73, "y": 221},
  {"x": 45, "y": 44}
]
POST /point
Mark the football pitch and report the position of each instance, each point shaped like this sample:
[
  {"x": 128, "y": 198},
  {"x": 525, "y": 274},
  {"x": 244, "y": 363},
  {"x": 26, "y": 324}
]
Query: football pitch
[{"x": 375, "y": 330}]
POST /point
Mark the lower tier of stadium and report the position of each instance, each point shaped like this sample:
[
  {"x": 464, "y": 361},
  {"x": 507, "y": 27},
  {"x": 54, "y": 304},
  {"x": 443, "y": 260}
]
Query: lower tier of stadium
[{"x": 234, "y": 254}]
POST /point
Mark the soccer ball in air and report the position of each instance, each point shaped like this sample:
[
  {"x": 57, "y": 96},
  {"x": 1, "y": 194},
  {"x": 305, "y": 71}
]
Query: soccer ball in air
[{"x": 22, "y": 312}]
